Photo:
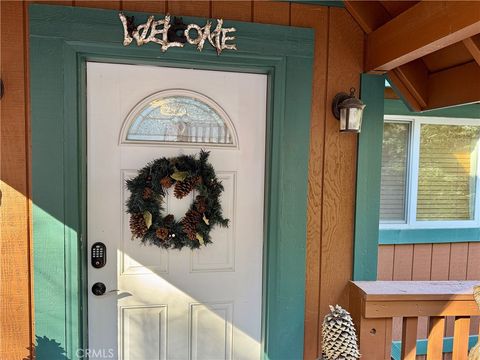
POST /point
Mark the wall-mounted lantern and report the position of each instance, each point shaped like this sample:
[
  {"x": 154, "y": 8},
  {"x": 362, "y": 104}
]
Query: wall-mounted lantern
[{"x": 349, "y": 110}]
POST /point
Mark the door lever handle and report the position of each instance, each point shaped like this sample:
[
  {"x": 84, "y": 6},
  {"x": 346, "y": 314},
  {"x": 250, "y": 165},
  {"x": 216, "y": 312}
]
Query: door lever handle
[
  {"x": 99, "y": 289},
  {"x": 121, "y": 293}
]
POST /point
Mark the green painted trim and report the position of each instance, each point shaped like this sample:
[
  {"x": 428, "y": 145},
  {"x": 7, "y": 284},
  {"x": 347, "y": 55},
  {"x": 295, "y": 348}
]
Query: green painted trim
[
  {"x": 398, "y": 107},
  {"x": 49, "y": 223},
  {"x": 367, "y": 208},
  {"x": 428, "y": 236},
  {"x": 62, "y": 39},
  {"x": 422, "y": 346}
]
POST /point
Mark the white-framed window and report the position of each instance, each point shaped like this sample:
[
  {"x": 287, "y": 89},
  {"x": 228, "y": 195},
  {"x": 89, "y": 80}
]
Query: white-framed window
[{"x": 430, "y": 173}]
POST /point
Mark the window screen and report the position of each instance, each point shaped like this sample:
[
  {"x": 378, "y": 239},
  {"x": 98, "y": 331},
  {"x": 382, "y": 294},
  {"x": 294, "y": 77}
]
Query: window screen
[
  {"x": 447, "y": 172},
  {"x": 394, "y": 172}
]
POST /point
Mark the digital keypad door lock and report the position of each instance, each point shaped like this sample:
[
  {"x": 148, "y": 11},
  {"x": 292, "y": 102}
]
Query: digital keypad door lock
[{"x": 99, "y": 255}]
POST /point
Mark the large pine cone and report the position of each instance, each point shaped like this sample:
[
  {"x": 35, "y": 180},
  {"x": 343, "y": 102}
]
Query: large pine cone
[
  {"x": 476, "y": 295},
  {"x": 339, "y": 336},
  {"x": 475, "y": 351},
  {"x": 183, "y": 188},
  {"x": 137, "y": 225}
]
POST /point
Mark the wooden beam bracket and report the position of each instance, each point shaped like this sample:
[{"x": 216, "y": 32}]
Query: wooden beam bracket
[{"x": 422, "y": 29}]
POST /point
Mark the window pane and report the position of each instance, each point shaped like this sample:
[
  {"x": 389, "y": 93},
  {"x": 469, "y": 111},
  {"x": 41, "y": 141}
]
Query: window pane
[
  {"x": 179, "y": 119},
  {"x": 394, "y": 172},
  {"x": 447, "y": 172}
]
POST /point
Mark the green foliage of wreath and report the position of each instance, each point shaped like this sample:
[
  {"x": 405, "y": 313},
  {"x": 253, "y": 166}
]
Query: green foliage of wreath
[{"x": 183, "y": 174}]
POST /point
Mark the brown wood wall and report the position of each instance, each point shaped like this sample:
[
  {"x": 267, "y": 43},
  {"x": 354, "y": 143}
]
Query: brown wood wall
[
  {"x": 455, "y": 261},
  {"x": 338, "y": 64}
]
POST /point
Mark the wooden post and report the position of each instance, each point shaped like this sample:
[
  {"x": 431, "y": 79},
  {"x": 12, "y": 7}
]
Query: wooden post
[
  {"x": 435, "y": 338},
  {"x": 409, "y": 338},
  {"x": 460, "y": 338},
  {"x": 374, "y": 335}
]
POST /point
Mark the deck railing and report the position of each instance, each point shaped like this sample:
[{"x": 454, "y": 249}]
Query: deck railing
[{"x": 374, "y": 305}]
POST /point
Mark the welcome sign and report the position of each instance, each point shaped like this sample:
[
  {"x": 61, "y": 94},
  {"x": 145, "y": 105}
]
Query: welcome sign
[{"x": 169, "y": 35}]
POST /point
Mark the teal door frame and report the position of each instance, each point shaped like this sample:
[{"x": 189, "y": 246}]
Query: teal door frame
[{"x": 62, "y": 39}]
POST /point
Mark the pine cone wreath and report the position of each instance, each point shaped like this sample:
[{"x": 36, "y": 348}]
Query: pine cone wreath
[
  {"x": 183, "y": 188},
  {"x": 190, "y": 222},
  {"x": 166, "y": 182},
  {"x": 162, "y": 233},
  {"x": 339, "y": 336},
  {"x": 137, "y": 225},
  {"x": 147, "y": 193}
]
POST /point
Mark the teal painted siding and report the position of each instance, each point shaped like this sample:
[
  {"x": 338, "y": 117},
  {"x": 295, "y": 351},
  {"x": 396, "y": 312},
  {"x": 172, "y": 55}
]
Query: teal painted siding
[
  {"x": 368, "y": 179},
  {"x": 61, "y": 40}
]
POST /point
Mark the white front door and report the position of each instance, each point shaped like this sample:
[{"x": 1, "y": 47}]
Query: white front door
[{"x": 171, "y": 304}]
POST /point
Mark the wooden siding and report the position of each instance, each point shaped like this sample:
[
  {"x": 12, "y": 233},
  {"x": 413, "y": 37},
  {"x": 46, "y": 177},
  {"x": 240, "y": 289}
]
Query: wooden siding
[
  {"x": 449, "y": 261},
  {"x": 16, "y": 327},
  {"x": 338, "y": 64},
  {"x": 455, "y": 261}
]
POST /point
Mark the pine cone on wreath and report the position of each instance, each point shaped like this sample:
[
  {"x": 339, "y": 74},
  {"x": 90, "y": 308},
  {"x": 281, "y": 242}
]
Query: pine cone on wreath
[
  {"x": 339, "y": 336},
  {"x": 201, "y": 204},
  {"x": 147, "y": 193},
  {"x": 190, "y": 222},
  {"x": 168, "y": 220},
  {"x": 166, "y": 182},
  {"x": 137, "y": 225},
  {"x": 183, "y": 188},
  {"x": 162, "y": 233}
]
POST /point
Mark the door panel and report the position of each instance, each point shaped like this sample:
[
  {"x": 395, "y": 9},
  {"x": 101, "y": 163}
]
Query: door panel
[
  {"x": 133, "y": 321},
  {"x": 201, "y": 304}
]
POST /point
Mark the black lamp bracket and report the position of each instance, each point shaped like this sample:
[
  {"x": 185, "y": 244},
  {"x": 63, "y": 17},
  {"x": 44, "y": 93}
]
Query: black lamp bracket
[{"x": 337, "y": 100}]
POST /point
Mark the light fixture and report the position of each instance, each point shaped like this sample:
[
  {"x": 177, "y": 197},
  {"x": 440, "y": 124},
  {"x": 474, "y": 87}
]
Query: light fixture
[{"x": 349, "y": 110}]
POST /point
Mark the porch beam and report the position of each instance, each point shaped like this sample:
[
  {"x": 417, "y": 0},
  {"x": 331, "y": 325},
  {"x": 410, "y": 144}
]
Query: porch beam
[
  {"x": 420, "y": 30},
  {"x": 454, "y": 86},
  {"x": 370, "y": 15},
  {"x": 473, "y": 46},
  {"x": 410, "y": 79}
]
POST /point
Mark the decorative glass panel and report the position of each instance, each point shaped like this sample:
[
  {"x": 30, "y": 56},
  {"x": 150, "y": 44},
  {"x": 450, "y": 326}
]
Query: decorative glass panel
[
  {"x": 447, "y": 172},
  {"x": 394, "y": 172},
  {"x": 179, "y": 118}
]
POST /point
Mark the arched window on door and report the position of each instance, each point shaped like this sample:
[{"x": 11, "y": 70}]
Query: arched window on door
[{"x": 179, "y": 116}]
